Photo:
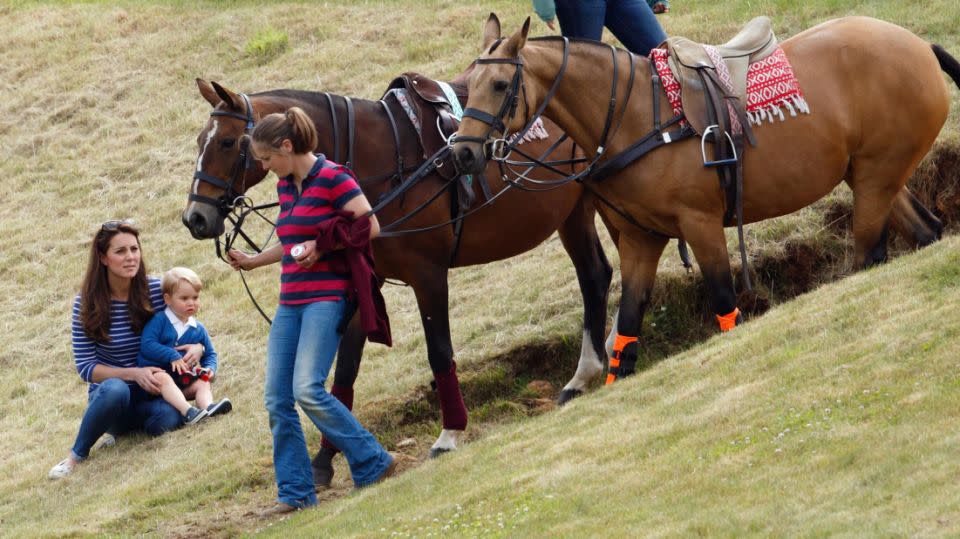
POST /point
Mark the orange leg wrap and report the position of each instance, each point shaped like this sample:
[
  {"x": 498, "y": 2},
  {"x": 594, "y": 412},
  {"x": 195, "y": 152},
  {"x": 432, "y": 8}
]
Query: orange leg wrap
[
  {"x": 728, "y": 321},
  {"x": 619, "y": 343}
]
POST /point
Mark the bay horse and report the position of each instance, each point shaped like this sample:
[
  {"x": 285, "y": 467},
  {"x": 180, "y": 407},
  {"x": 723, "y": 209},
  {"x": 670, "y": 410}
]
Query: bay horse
[
  {"x": 877, "y": 99},
  {"x": 517, "y": 222}
]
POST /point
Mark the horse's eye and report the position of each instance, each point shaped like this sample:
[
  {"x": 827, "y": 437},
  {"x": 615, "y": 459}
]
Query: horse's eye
[
  {"x": 500, "y": 85},
  {"x": 227, "y": 143}
]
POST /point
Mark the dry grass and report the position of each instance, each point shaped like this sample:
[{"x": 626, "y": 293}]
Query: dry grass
[{"x": 98, "y": 115}]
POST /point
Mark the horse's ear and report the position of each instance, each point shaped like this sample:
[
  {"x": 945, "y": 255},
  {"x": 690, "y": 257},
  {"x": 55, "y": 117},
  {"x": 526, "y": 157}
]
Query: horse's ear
[
  {"x": 208, "y": 92},
  {"x": 232, "y": 100},
  {"x": 491, "y": 31},
  {"x": 518, "y": 40}
]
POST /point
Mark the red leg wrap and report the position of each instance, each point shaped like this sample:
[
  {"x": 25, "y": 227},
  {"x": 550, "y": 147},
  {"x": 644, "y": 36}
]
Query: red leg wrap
[{"x": 452, "y": 410}]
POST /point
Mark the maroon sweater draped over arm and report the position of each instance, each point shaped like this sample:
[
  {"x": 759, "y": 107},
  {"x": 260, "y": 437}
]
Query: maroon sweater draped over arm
[{"x": 354, "y": 236}]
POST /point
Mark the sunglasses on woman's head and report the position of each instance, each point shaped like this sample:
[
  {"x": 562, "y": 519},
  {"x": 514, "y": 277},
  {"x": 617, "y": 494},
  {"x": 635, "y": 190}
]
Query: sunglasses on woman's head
[{"x": 114, "y": 224}]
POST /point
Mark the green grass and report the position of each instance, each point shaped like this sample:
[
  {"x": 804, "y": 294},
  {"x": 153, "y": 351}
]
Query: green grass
[
  {"x": 98, "y": 119},
  {"x": 267, "y": 45},
  {"x": 812, "y": 420}
]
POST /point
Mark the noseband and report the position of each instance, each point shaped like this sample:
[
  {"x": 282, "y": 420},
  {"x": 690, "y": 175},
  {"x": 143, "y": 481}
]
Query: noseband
[{"x": 227, "y": 201}]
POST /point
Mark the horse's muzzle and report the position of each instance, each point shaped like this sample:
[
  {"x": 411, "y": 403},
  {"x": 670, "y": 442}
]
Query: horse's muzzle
[
  {"x": 468, "y": 159},
  {"x": 200, "y": 226}
]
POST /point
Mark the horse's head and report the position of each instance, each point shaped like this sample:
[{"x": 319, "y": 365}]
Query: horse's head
[
  {"x": 225, "y": 167},
  {"x": 496, "y": 89}
]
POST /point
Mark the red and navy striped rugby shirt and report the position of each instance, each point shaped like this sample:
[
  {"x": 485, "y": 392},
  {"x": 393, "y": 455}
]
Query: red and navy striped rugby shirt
[{"x": 327, "y": 187}]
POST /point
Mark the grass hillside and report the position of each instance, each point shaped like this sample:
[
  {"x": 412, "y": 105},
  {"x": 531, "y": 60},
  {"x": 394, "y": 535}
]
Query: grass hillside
[
  {"x": 98, "y": 119},
  {"x": 834, "y": 414}
]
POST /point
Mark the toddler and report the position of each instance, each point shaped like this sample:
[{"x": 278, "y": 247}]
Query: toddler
[{"x": 172, "y": 329}]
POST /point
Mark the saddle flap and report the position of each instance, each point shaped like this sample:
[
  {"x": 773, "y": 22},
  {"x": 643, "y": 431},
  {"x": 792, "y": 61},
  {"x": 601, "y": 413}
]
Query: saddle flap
[{"x": 689, "y": 53}]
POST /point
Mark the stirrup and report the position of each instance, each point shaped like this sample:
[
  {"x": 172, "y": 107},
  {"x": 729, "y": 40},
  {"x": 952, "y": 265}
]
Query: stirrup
[{"x": 703, "y": 149}]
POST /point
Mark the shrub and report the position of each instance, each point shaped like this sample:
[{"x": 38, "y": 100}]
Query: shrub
[{"x": 266, "y": 45}]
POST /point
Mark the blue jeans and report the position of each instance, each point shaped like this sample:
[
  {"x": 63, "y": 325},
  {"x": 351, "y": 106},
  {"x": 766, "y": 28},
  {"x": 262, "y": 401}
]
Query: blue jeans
[
  {"x": 116, "y": 407},
  {"x": 303, "y": 342},
  {"x": 632, "y": 21}
]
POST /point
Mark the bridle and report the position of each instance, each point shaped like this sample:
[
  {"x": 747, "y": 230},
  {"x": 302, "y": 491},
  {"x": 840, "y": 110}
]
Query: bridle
[
  {"x": 500, "y": 149},
  {"x": 226, "y": 202},
  {"x": 497, "y": 148},
  {"x": 233, "y": 205}
]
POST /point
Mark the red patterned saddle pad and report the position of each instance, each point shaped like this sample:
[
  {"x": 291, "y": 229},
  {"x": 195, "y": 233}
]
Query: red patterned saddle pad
[{"x": 771, "y": 87}]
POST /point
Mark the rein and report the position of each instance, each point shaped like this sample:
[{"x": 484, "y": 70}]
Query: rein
[
  {"x": 236, "y": 207},
  {"x": 500, "y": 149}
]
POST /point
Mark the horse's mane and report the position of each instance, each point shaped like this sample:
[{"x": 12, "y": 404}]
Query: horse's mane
[{"x": 299, "y": 95}]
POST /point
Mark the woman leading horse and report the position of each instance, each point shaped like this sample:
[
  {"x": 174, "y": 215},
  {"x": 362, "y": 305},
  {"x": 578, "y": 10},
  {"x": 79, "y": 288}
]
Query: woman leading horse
[
  {"x": 877, "y": 99},
  {"x": 518, "y": 221}
]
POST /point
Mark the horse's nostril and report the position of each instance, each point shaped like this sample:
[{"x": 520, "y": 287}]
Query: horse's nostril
[
  {"x": 198, "y": 224},
  {"x": 465, "y": 158}
]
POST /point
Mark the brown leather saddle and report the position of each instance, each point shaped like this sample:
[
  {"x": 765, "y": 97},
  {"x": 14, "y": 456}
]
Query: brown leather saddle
[
  {"x": 432, "y": 107},
  {"x": 437, "y": 124}
]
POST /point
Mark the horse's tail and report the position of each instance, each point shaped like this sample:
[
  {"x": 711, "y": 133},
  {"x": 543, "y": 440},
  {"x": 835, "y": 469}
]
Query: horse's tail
[{"x": 947, "y": 63}]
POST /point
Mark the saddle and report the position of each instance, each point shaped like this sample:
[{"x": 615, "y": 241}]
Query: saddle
[
  {"x": 432, "y": 107},
  {"x": 713, "y": 93},
  {"x": 437, "y": 123},
  {"x": 690, "y": 63}
]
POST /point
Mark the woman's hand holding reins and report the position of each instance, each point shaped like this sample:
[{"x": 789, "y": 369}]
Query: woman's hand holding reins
[{"x": 240, "y": 260}]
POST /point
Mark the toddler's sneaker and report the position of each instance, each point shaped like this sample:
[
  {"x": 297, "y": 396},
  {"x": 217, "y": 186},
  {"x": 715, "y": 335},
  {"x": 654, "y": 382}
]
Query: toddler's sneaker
[
  {"x": 222, "y": 407},
  {"x": 194, "y": 415}
]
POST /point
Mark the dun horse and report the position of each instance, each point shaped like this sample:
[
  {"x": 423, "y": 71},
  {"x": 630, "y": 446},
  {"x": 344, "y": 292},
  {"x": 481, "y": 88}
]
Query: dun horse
[
  {"x": 877, "y": 101},
  {"x": 515, "y": 223}
]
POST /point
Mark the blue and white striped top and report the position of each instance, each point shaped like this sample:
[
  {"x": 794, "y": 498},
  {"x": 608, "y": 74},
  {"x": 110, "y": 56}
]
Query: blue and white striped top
[{"x": 124, "y": 345}]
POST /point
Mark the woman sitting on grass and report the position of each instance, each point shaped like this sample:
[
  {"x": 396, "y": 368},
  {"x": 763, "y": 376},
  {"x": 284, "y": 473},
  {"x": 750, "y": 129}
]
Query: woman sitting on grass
[{"x": 115, "y": 303}]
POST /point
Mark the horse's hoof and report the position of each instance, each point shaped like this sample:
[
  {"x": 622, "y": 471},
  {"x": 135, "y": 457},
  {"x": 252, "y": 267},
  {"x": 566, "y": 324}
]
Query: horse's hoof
[
  {"x": 322, "y": 466},
  {"x": 437, "y": 451},
  {"x": 568, "y": 395},
  {"x": 322, "y": 477}
]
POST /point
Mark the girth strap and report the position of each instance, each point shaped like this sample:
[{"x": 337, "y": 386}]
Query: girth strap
[
  {"x": 351, "y": 127},
  {"x": 336, "y": 131},
  {"x": 396, "y": 137}
]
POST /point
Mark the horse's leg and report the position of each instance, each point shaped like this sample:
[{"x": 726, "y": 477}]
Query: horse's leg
[
  {"x": 704, "y": 233},
  {"x": 579, "y": 236},
  {"x": 430, "y": 288},
  {"x": 913, "y": 221},
  {"x": 345, "y": 374},
  {"x": 875, "y": 184},
  {"x": 639, "y": 256},
  {"x": 615, "y": 236}
]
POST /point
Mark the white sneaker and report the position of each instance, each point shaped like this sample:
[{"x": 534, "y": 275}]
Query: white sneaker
[
  {"x": 62, "y": 469},
  {"x": 107, "y": 440}
]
